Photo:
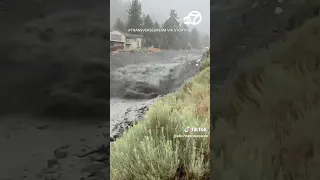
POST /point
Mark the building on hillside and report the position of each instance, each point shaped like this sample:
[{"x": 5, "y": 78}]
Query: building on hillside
[{"x": 124, "y": 41}]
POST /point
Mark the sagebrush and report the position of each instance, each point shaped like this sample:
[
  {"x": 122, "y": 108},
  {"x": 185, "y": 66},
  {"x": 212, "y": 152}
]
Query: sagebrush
[{"x": 266, "y": 116}]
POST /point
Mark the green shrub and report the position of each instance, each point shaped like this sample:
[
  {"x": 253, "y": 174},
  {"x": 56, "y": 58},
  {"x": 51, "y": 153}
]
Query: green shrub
[
  {"x": 266, "y": 116},
  {"x": 149, "y": 151},
  {"x": 206, "y": 60}
]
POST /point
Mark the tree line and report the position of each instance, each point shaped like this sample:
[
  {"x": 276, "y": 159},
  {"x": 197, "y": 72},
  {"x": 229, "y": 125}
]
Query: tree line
[{"x": 164, "y": 40}]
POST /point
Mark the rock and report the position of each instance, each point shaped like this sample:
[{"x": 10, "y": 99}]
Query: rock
[
  {"x": 52, "y": 162},
  {"x": 255, "y": 4},
  {"x": 61, "y": 152},
  {"x": 54, "y": 176},
  {"x": 42, "y": 127},
  {"x": 102, "y": 126},
  {"x": 97, "y": 176},
  {"x": 278, "y": 10},
  {"x": 98, "y": 157},
  {"x": 105, "y": 135},
  {"x": 89, "y": 150},
  {"x": 94, "y": 168}
]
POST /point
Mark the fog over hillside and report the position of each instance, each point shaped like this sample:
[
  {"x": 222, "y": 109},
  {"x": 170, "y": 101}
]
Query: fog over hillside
[{"x": 159, "y": 10}]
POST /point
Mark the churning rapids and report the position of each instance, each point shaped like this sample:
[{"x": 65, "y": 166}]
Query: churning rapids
[{"x": 138, "y": 79}]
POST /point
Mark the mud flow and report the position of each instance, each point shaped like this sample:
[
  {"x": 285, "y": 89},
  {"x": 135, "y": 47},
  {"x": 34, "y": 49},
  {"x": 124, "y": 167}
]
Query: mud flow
[
  {"x": 145, "y": 76},
  {"x": 138, "y": 80}
]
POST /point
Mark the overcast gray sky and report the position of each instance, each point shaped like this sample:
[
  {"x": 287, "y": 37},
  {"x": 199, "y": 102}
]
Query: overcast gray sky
[{"x": 160, "y": 9}]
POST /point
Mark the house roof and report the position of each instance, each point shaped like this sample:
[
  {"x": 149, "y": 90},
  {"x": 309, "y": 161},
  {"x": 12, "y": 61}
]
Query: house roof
[
  {"x": 116, "y": 29},
  {"x": 128, "y": 34},
  {"x": 133, "y": 35}
]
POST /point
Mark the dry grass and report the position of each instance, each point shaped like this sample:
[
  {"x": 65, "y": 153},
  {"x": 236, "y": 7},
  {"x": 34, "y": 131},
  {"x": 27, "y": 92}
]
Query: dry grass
[
  {"x": 266, "y": 116},
  {"x": 150, "y": 151},
  {"x": 150, "y": 49}
]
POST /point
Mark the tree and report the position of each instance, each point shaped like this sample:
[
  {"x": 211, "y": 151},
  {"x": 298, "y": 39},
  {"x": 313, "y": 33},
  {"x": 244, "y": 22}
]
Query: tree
[
  {"x": 194, "y": 38},
  {"x": 184, "y": 36},
  {"x": 156, "y": 25},
  {"x": 206, "y": 40},
  {"x": 134, "y": 15},
  {"x": 120, "y": 25},
  {"x": 148, "y": 24},
  {"x": 118, "y": 10},
  {"x": 172, "y": 38},
  {"x": 158, "y": 40},
  {"x": 174, "y": 19}
]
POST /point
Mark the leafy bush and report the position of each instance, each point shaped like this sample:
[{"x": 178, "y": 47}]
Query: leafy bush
[
  {"x": 149, "y": 150},
  {"x": 266, "y": 117}
]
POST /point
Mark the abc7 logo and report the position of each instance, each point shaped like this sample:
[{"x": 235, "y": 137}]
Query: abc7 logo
[{"x": 196, "y": 16}]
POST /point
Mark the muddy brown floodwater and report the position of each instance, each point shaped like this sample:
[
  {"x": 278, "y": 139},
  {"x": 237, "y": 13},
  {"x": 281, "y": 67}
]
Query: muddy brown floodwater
[{"x": 138, "y": 80}]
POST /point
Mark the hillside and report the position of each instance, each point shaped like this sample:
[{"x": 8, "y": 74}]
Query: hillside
[{"x": 266, "y": 113}]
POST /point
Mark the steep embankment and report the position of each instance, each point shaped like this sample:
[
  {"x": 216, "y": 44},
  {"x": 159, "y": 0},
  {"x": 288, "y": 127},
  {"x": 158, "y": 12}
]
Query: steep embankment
[
  {"x": 266, "y": 111},
  {"x": 242, "y": 30},
  {"x": 270, "y": 108}
]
